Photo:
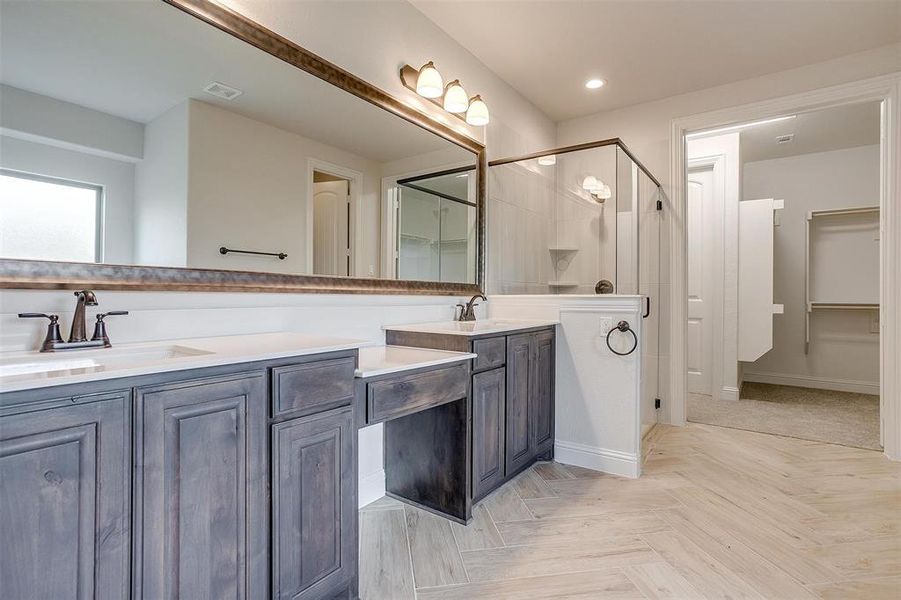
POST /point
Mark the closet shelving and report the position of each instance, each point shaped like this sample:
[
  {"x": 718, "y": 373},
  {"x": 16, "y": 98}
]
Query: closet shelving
[{"x": 820, "y": 302}]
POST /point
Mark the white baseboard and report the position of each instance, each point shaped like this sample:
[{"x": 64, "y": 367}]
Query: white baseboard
[
  {"x": 820, "y": 383},
  {"x": 372, "y": 487},
  {"x": 729, "y": 393},
  {"x": 614, "y": 462}
]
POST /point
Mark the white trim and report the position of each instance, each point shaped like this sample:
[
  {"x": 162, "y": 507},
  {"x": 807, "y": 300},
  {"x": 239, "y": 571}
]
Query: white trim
[
  {"x": 356, "y": 191},
  {"x": 728, "y": 393},
  {"x": 819, "y": 383},
  {"x": 371, "y": 488},
  {"x": 886, "y": 89},
  {"x": 614, "y": 462}
]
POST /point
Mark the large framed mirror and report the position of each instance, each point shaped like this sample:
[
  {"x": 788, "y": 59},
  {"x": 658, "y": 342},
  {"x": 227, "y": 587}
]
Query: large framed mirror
[{"x": 178, "y": 145}]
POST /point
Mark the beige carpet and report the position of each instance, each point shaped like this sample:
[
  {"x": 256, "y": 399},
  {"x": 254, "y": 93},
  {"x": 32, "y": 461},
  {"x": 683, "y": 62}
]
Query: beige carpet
[{"x": 841, "y": 418}]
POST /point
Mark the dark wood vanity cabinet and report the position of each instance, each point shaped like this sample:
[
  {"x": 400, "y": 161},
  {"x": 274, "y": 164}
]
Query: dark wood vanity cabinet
[
  {"x": 65, "y": 492},
  {"x": 488, "y": 417},
  {"x": 313, "y": 505},
  {"x": 530, "y": 398},
  {"x": 512, "y": 399},
  {"x": 201, "y": 524},
  {"x": 158, "y": 486},
  {"x": 541, "y": 394}
]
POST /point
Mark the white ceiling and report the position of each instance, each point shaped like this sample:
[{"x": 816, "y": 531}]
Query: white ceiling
[
  {"x": 819, "y": 131},
  {"x": 648, "y": 50},
  {"x": 138, "y": 59}
]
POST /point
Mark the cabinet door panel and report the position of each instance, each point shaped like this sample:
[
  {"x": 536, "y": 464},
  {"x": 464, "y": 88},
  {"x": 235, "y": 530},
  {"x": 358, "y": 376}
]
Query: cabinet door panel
[
  {"x": 488, "y": 417},
  {"x": 64, "y": 499},
  {"x": 202, "y": 488},
  {"x": 542, "y": 405},
  {"x": 313, "y": 506},
  {"x": 518, "y": 439}
]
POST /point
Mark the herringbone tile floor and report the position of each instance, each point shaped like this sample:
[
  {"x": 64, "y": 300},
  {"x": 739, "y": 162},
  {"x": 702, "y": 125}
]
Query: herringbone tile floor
[{"x": 718, "y": 513}]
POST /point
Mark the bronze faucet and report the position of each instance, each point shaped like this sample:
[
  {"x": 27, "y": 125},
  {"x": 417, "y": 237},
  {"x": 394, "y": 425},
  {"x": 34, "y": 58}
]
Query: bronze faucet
[
  {"x": 467, "y": 311},
  {"x": 77, "y": 338},
  {"x": 77, "y": 332}
]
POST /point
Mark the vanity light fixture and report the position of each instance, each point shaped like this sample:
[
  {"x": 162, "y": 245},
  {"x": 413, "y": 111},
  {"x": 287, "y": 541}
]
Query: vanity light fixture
[
  {"x": 428, "y": 83},
  {"x": 477, "y": 114},
  {"x": 593, "y": 84},
  {"x": 590, "y": 183},
  {"x": 547, "y": 161},
  {"x": 455, "y": 98}
]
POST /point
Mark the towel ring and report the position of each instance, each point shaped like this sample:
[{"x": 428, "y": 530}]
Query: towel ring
[{"x": 624, "y": 327}]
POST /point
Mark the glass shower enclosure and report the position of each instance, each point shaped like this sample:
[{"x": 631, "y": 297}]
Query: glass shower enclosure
[
  {"x": 581, "y": 220},
  {"x": 436, "y": 227}
]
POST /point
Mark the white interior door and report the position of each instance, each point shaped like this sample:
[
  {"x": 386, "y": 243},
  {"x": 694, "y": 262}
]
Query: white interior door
[
  {"x": 331, "y": 221},
  {"x": 701, "y": 226}
]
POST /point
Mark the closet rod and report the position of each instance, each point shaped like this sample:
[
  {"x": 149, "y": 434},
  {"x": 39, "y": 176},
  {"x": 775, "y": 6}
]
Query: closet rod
[
  {"x": 842, "y": 211},
  {"x": 843, "y": 306}
]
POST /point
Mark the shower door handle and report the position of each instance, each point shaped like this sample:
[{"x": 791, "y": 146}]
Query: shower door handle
[{"x": 647, "y": 308}]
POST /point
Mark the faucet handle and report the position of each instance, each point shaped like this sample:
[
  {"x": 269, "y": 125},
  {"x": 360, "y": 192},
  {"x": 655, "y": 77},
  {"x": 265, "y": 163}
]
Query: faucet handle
[
  {"x": 112, "y": 313},
  {"x": 100, "y": 326},
  {"x": 53, "y": 336},
  {"x": 53, "y": 318}
]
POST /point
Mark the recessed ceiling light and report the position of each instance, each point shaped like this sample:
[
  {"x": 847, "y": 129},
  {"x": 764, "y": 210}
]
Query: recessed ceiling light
[{"x": 593, "y": 84}]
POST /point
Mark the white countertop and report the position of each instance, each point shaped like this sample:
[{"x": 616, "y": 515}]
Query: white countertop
[
  {"x": 378, "y": 360},
  {"x": 473, "y": 328},
  {"x": 28, "y": 370}
]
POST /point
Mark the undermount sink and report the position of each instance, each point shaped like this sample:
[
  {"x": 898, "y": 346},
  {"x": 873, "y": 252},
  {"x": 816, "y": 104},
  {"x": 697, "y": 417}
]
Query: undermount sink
[{"x": 85, "y": 361}]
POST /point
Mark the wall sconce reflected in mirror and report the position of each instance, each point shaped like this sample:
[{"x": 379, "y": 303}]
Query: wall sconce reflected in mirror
[
  {"x": 547, "y": 161},
  {"x": 596, "y": 188},
  {"x": 428, "y": 83}
]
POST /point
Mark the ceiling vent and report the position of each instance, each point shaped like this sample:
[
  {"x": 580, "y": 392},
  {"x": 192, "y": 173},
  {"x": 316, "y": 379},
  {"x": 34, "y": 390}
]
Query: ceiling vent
[
  {"x": 220, "y": 90},
  {"x": 785, "y": 139}
]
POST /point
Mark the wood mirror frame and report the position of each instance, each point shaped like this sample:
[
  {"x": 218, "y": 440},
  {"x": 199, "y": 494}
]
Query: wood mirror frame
[{"x": 39, "y": 274}]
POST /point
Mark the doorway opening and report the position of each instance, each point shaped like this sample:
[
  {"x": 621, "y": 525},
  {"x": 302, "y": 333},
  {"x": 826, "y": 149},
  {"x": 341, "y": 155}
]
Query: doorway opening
[
  {"x": 332, "y": 225},
  {"x": 782, "y": 227}
]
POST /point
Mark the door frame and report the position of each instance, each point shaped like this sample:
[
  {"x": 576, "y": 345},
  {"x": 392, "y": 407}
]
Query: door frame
[
  {"x": 356, "y": 211},
  {"x": 885, "y": 89}
]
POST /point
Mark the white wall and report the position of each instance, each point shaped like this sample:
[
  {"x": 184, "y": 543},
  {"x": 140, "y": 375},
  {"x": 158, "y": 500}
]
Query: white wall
[
  {"x": 42, "y": 118},
  {"x": 161, "y": 192},
  {"x": 842, "y": 349},
  {"x": 247, "y": 188},
  {"x": 645, "y": 128}
]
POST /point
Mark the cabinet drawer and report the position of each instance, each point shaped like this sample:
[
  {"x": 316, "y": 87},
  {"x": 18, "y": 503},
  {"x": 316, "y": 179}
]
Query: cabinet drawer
[
  {"x": 492, "y": 353},
  {"x": 311, "y": 387},
  {"x": 405, "y": 394}
]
